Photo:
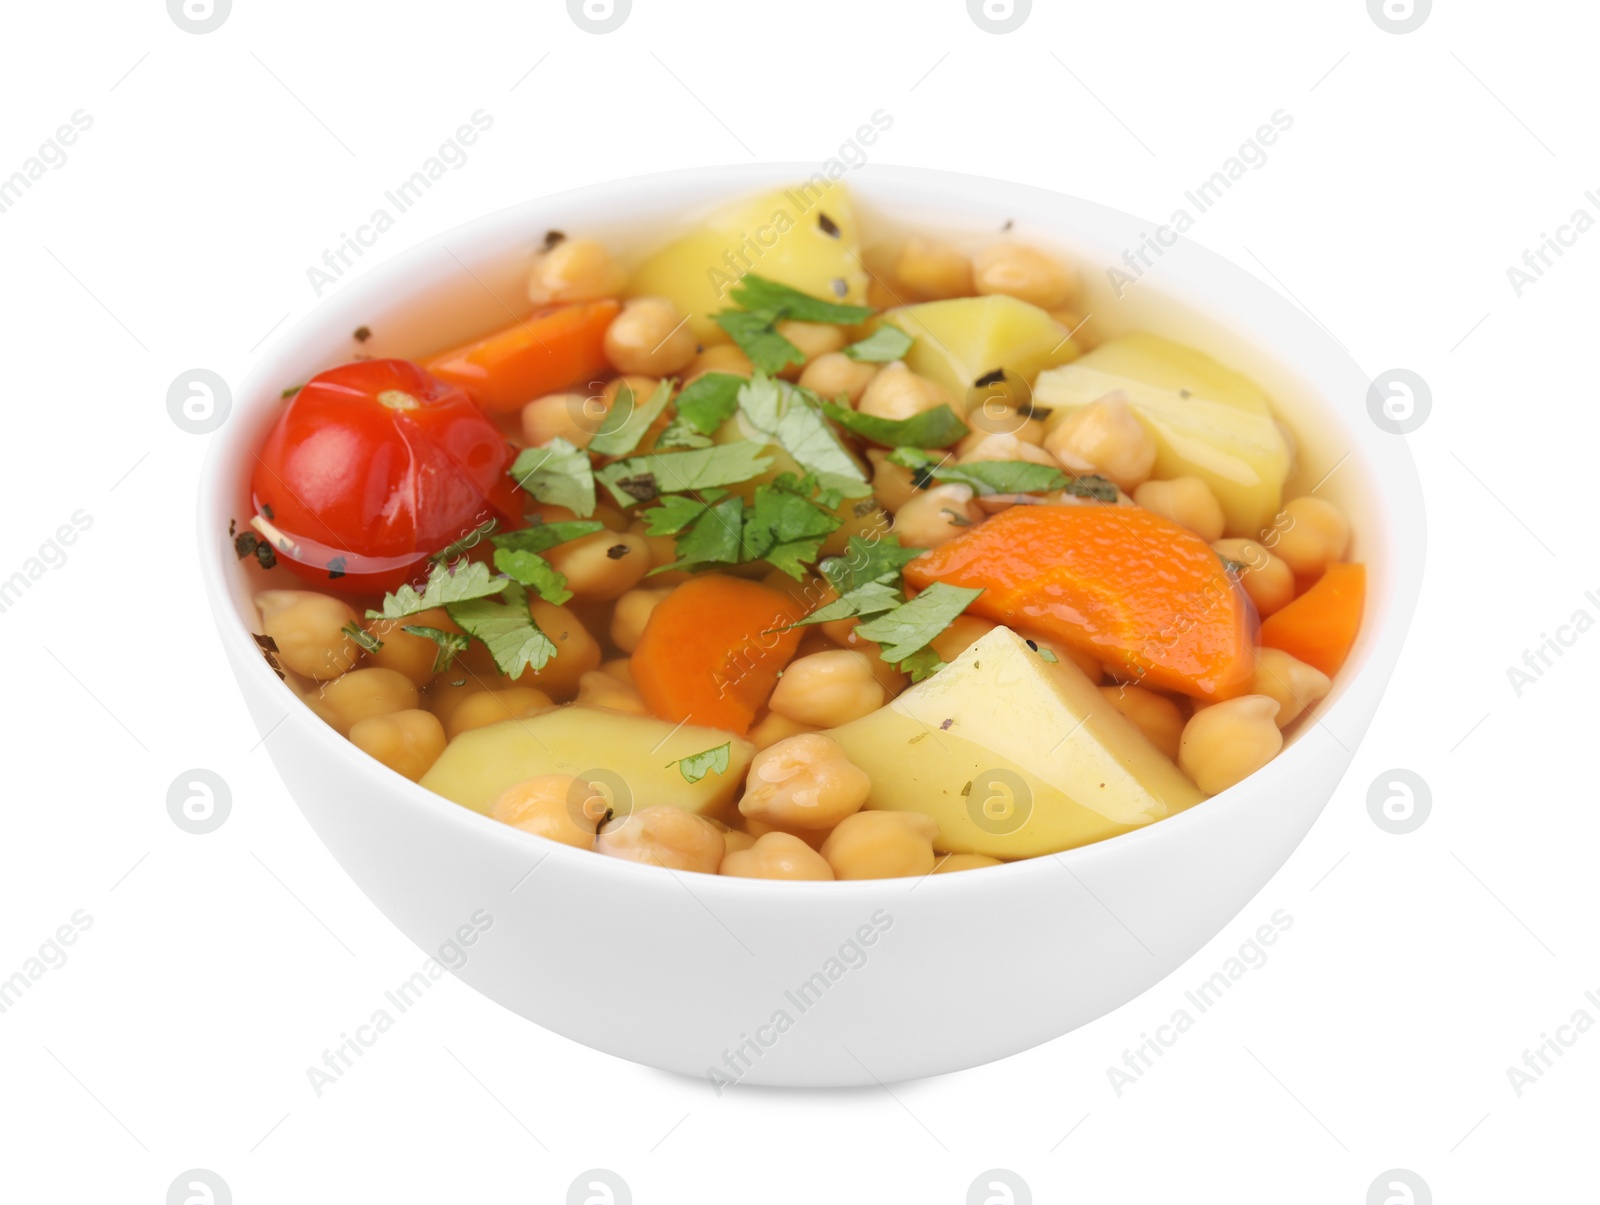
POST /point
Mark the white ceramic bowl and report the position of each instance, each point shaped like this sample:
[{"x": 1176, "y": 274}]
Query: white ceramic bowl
[{"x": 693, "y": 972}]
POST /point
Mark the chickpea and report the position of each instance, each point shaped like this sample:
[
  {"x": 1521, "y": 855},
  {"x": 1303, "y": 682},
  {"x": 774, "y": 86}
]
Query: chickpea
[
  {"x": 408, "y": 742},
  {"x": 719, "y": 357},
  {"x": 649, "y": 336},
  {"x": 577, "y": 652},
  {"x": 1267, "y": 580},
  {"x": 777, "y": 856},
  {"x": 827, "y": 689},
  {"x": 814, "y": 837},
  {"x": 950, "y": 863},
  {"x": 1311, "y": 533},
  {"x": 363, "y": 693},
  {"x": 772, "y": 728},
  {"x": 1024, "y": 273},
  {"x": 733, "y": 840},
  {"x": 834, "y": 373},
  {"x": 485, "y": 707},
  {"x": 602, "y": 565},
  {"x": 1153, "y": 714},
  {"x": 881, "y": 845},
  {"x": 631, "y": 614},
  {"x": 1227, "y": 742},
  {"x": 1294, "y": 684},
  {"x": 664, "y": 836},
  {"x": 814, "y": 339},
  {"x": 1000, "y": 421},
  {"x": 449, "y": 690},
  {"x": 556, "y": 806},
  {"x": 1110, "y": 437},
  {"x": 936, "y": 516},
  {"x": 803, "y": 782},
  {"x": 892, "y": 484},
  {"x": 896, "y": 392},
  {"x": 574, "y": 417},
  {"x": 1007, "y": 447},
  {"x": 575, "y": 269},
  {"x": 599, "y": 689},
  {"x": 307, "y": 629},
  {"x": 663, "y": 551},
  {"x": 1187, "y": 501},
  {"x": 963, "y": 631},
  {"x": 933, "y": 271},
  {"x": 413, "y": 656}
]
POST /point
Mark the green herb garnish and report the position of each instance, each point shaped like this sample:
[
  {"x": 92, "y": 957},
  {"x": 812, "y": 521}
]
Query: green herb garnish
[
  {"x": 532, "y": 570},
  {"x": 864, "y": 560},
  {"x": 765, "y": 304},
  {"x": 444, "y": 586},
  {"x": 450, "y": 643},
  {"x": 936, "y": 428},
  {"x": 881, "y": 346},
  {"x": 632, "y": 423},
  {"x": 712, "y": 761},
  {"x": 984, "y": 476},
  {"x": 792, "y": 418},
  {"x": 541, "y": 537},
  {"x": 645, "y": 478},
  {"x": 559, "y": 474},
  {"x": 910, "y": 627},
  {"x": 362, "y": 637},
  {"x": 466, "y": 543},
  {"x": 507, "y": 628}
]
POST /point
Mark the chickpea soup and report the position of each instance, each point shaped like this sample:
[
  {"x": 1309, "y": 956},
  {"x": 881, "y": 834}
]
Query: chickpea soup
[{"x": 814, "y": 560}]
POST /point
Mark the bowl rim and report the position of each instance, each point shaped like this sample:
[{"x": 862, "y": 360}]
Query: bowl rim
[{"x": 1402, "y": 539}]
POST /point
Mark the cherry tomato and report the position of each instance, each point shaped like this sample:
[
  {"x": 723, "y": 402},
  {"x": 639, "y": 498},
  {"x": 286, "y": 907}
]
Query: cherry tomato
[{"x": 372, "y": 468}]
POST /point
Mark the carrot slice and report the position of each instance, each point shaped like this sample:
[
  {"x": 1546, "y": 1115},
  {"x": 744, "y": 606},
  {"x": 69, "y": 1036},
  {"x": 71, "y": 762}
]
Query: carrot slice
[
  {"x": 710, "y": 653},
  {"x": 1149, "y": 599},
  {"x": 554, "y": 347},
  {"x": 1320, "y": 626}
]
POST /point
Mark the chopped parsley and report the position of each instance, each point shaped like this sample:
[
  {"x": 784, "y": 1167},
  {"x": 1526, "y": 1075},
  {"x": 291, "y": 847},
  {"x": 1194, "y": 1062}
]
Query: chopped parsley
[
  {"x": 792, "y": 418},
  {"x": 765, "y": 304},
  {"x": 507, "y": 628},
  {"x": 881, "y": 346},
  {"x": 541, "y": 537},
  {"x": 864, "y": 560},
  {"x": 450, "y": 644},
  {"x": 466, "y": 543},
  {"x": 874, "y": 598},
  {"x": 936, "y": 428},
  {"x": 712, "y": 761},
  {"x": 984, "y": 476},
  {"x": 628, "y": 420},
  {"x": 532, "y": 570},
  {"x": 559, "y": 474},
  {"x": 362, "y": 637},
  {"x": 1092, "y": 485},
  {"x": 444, "y": 586},
  {"x": 911, "y": 626},
  {"x": 645, "y": 478}
]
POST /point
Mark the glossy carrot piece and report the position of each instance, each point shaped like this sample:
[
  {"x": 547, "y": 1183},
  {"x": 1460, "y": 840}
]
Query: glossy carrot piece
[
  {"x": 1149, "y": 599},
  {"x": 1321, "y": 625},
  {"x": 553, "y": 348},
  {"x": 711, "y": 652}
]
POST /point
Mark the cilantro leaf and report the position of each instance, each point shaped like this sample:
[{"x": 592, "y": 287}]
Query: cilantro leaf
[
  {"x": 362, "y": 637},
  {"x": 532, "y": 570},
  {"x": 644, "y": 478},
  {"x": 450, "y": 643},
  {"x": 712, "y": 761},
  {"x": 874, "y": 598},
  {"x": 709, "y": 401},
  {"x": 936, "y": 428},
  {"x": 790, "y": 417},
  {"x": 541, "y": 537},
  {"x": 1092, "y": 485},
  {"x": 785, "y": 527},
  {"x": 878, "y": 559},
  {"x": 507, "y": 628},
  {"x": 470, "y": 581},
  {"x": 559, "y": 474},
  {"x": 911, "y": 626},
  {"x": 758, "y": 293},
  {"x": 985, "y": 476},
  {"x": 757, "y": 336},
  {"x": 923, "y": 663},
  {"x": 714, "y": 538},
  {"x": 676, "y": 512},
  {"x": 680, "y": 434},
  {"x": 882, "y": 345},
  {"x": 628, "y": 420}
]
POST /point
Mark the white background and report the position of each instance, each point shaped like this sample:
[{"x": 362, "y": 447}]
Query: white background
[{"x": 217, "y": 968}]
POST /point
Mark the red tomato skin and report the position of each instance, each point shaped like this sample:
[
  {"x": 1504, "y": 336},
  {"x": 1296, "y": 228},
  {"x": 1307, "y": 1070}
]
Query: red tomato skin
[{"x": 372, "y": 468}]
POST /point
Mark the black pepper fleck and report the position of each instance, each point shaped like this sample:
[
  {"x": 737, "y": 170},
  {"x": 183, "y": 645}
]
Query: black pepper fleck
[
  {"x": 551, "y": 238},
  {"x": 840, "y": 288},
  {"x": 990, "y": 378},
  {"x": 336, "y": 568},
  {"x": 827, "y": 225},
  {"x": 617, "y": 551},
  {"x": 362, "y": 334}
]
